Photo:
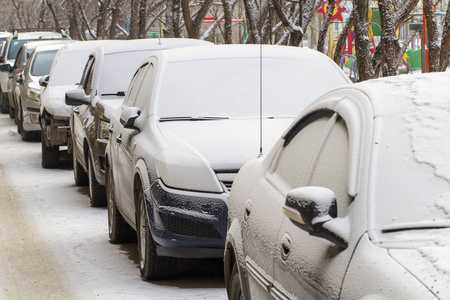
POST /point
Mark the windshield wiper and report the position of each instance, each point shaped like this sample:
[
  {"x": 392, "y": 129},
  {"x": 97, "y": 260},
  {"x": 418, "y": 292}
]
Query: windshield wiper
[
  {"x": 199, "y": 118},
  {"x": 416, "y": 226},
  {"x": 121, "y": 93}
]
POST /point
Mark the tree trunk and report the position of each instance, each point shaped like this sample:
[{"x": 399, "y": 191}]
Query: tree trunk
[
  {"x": 228, "y": 15},
  {"x": 142, "y": 19},
  {"x": 445, "y": 42},
  {"x": 252, "y": 22},
  {"x": 343, "y": 38},
  {"x": 364, "y": 63},
  {"x": 52, "y": 11},
  {"x": 389, "y": 40},
  {"x": 432, "y": 36},
  {"x": 325, "y": 25},
  {"x": 176, "y": 19},
  {"x": 134, "y": 20}
]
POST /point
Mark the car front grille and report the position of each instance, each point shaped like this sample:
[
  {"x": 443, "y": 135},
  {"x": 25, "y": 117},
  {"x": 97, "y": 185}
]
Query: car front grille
[
  {"x": 183, "y": 226},
  {"x": 227, "y": 184}
]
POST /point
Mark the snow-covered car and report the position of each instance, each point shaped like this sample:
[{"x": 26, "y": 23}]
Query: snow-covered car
[
  {"x": 105, "y": 80},
  {"x": 11, "y": 49},
  {"x": 187, "y": 125},
  {"x": 28, "y": 98},
  {"x": 352, "y": 202},
  {"x": 65, "y": 75},
  {"x": 17, "y": 69}
]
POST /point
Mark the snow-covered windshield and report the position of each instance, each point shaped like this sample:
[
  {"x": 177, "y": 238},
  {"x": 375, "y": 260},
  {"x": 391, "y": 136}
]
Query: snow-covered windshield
[
  {"x": 42, "y": 62},
  {"x": 68, "y": 67},
  {"x": 118, "y": 70},
  {"x": 231, "y": 87},
  {"x": 411, "y": 160}
]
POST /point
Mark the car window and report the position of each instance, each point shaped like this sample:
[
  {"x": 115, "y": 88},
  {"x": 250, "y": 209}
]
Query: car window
[
  {"x": 300, "y": 149},
  {"x": 135, "y": 85},
  {"x": 332, "y": 167},
  {"x": 20, "y": 58},
  {"x": 42, "y": 62},
  {"x": 86, "y": 78},
  {"x": 146, "y": 88}
]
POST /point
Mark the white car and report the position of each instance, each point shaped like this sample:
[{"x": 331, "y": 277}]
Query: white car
[
  {"x": 188, "y": 123},
  {"x": 65, "y": 74},
  {"x": 105, "y": 80},
  {"x": 352, "y": 202}
]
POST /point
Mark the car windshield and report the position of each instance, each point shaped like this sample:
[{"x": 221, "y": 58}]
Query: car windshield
[
  {"x": 118, "y": 70},
  {"x": 68, "y": 67},
  {"x": 42, "y": 62},
  {"x": 231, "y": 87},
  {"x": 15, "y": 45},
  {"x": 410, "y": 185}
]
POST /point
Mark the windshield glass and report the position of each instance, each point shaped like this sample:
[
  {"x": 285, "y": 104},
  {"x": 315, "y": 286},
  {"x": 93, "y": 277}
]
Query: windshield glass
[
  {"x": 15, "y": 45},
  {"x": 410, "y": 186},
  {"x": 231, "y": 87},
  {"x": 118, "y": 70},
  {"x": 42, "y": 62},
  {"x": 68, "y": 67}
]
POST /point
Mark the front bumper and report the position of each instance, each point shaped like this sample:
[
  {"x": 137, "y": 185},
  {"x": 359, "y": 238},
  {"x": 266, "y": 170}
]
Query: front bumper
[
  {"x": 187, "y": 224},
  {"x": 30, "y": 115}
]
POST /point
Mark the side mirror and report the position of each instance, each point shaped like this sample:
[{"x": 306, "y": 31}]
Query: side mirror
[
  {"x": 129, "y": 116},
  {"x": 43, "y": 80},
  {"x": 314, "y": 209},
  {"x": 77, "y": 97},
  {"x": 2, "y": 59},
  {"x": 19, "y": 79},
  {"x": 5, "y": 67}
]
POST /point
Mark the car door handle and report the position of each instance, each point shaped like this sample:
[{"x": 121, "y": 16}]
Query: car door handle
[
  {"x": 110, "y": 129},
  {"x": 119, "y": 138},
  {"x": 76, "y": 110},
  {"x": 285, "y": 247}
]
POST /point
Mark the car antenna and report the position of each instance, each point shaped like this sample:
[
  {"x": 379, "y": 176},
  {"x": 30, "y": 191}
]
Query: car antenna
[
  {"x": 260, "y": 91},
  {"x": 160, "y": 31}
]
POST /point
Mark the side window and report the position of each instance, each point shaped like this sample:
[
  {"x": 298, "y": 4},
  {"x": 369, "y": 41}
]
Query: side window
[
  {"x": 300, "y": 150},
  {"x": 86, "y": 78},
  {"x": 146, "y": 88},
  {"x": 135, "y": 86},
  {"x": 332, "y": 168}
]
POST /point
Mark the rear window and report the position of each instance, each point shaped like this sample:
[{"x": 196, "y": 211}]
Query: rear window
[{"x": 42, "y": 62}]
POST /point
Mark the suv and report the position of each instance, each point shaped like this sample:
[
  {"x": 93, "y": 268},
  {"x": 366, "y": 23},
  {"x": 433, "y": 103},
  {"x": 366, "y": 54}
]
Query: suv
[
  {"x": 106, "y": 77},
  {"x": 28, "y": 101},
  {"x": 11, "y": 49}
]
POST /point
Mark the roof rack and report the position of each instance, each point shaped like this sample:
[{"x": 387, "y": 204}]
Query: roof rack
[{"x": 61, "y": 30}]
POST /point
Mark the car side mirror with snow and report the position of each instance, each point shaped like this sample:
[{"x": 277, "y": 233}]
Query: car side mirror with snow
[
  {"x": 77, "y": 97},
  {"x": 43, "y": 80},
  {"x": 129, "y": 116},
  {"x": 314, "y": 209}
]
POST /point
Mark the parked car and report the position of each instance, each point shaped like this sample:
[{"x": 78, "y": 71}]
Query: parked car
[
  {"x": 17, "y": 69},
  {"x": 29, "y": 96},
  {"x": 188, "y": 123},
  {"x": 65, "y": 75},
  {"x": 105, "y": 80},
  {"x": 351, "y": 202},
  {"x": 11, "y": 49}
]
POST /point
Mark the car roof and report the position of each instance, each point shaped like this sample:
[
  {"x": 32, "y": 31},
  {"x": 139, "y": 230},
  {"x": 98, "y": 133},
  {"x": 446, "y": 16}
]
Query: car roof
[
  {"x": 37, "y": 35},
  {"x": 31, "y": 45},
  {"x": 238, "y": 51},
  {"x": 48, "y": 47},
  {"x": 399, "y": 94}
]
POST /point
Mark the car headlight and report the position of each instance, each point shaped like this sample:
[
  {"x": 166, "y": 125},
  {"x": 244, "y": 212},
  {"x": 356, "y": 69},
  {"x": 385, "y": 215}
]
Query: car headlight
[
  {"x": 103, "y": 130},
  {"x": 184, "y": 171},
  {"x": 33, "y": 94}
]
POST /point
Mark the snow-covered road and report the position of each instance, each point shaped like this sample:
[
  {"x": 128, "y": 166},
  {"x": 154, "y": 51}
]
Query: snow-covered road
[{"x": 53, "y": 245}]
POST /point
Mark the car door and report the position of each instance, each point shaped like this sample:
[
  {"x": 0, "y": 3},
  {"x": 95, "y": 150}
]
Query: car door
[
  {"x": 81, "y": 113},
  {"x": 307, "y": 266},
  {"x": 267, "y": 197},
  {"x": 125, "y": 145}
]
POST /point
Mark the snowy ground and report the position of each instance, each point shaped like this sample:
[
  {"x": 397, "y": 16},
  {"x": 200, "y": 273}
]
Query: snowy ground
[{"x": 53, "y": 245}]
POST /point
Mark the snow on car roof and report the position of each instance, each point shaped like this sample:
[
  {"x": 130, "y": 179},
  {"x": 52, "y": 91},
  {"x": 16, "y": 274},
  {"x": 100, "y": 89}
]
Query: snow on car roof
[
  {"x": 38, "y": 34},
  {"x": 52, "y": 46}
]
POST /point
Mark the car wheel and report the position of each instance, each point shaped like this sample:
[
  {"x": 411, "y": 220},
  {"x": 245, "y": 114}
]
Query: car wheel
[
  {"x": 234, "y": 289},
  {"x": 97, "y": 191},
  {"x": 152, "y": 266},
  {"x": 50, "y": 155},
  {"x": 4, "y": 104},
  {"x": 119, "y": 230},
  {"x": 11, "y": 112},
  {"x": 79, "y": 174}
]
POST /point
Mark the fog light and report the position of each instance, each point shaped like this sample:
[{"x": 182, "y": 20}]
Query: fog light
[{"x": 34, "y": 118}]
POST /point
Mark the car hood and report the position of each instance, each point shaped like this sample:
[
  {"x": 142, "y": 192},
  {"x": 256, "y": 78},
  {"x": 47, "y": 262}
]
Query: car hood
[
  {"x": 225, "y": 145},
  {"x": 430, "y": 264},
  {"x": 106, "y": 107},
  {"x": 53, "y": 100}
]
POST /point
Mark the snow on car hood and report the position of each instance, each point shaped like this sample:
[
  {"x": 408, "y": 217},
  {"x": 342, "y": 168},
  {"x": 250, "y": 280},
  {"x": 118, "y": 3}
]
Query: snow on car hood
[
  {"x": 53, "y": 100},
  {"x": 226, "y": 145},
  {"x": 430, "y": 264},
  {"x": 106, "y": 107}
]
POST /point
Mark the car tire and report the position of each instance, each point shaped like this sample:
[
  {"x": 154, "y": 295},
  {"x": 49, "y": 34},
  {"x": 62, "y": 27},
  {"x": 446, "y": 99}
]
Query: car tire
[
  {"x": 97, "y": 191},
  {"x": 50, "y": 155},
  {"x": 234, "y": 289},
  {"x": 11, "y": 112},
  {"x": 152, "y": 266},
  {"x": 4, "y": 104},
  {"x": 119, "y": 230},
  {"x": 79, "y": 174}
]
